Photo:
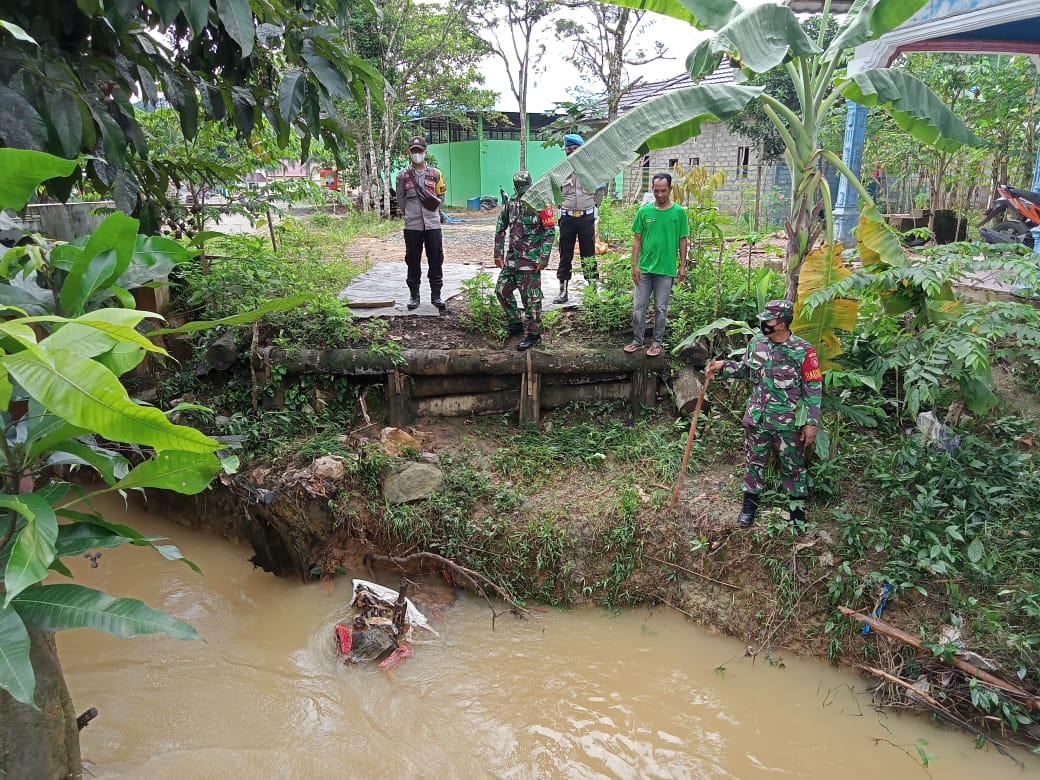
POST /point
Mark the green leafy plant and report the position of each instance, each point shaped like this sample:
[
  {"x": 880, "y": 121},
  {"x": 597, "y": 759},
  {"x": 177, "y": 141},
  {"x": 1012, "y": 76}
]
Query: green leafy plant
[{"x": 484, "y": 313}]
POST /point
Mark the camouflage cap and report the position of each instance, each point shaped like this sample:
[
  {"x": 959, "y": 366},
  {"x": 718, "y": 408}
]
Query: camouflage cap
[
  {"x": 778, "y": 309},
  {"x": 417, "y": 142}
]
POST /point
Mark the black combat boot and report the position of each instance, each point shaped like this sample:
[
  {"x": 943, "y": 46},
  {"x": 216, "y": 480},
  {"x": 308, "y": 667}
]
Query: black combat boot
[
  {"x": 528, "y": 341},
  {"x": 413, "y": 299},
  {"x": 562, "y": 297},
  {"x": 515, "y": 329},
  {"x": 747, "y": 512},
  {"x": 435, "y": 299},
  {"x": 798, "y": 513}
]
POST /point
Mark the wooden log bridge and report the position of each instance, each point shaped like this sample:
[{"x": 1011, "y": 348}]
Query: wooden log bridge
[{"x": 464, "y": 382}]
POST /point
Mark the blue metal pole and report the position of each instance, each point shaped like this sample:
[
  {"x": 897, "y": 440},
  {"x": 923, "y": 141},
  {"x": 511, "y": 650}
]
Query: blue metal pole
[{"x": 846, "y": 205}]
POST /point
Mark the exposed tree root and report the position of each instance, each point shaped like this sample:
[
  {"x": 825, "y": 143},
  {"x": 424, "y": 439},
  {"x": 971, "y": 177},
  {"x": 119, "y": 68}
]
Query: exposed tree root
[{"x": 476, "y": 580}]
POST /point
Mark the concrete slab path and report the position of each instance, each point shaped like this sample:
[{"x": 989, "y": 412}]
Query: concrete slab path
[{"x": 386, "y": 281}]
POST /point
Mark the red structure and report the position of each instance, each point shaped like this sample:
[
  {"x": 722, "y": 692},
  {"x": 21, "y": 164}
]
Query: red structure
[{"x": 330, "y": 179}]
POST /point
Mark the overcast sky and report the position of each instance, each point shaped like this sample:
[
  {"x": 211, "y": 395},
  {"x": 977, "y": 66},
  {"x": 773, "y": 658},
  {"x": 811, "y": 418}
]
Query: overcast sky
[{"x": 558, "y": 76}]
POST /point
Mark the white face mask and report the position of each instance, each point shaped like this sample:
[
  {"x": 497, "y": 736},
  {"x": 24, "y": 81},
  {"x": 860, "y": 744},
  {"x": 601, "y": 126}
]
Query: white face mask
[{"x": 418, "y": 157}]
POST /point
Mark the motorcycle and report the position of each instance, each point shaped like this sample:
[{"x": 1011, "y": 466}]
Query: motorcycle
[{"x": 1023, "y": 205}]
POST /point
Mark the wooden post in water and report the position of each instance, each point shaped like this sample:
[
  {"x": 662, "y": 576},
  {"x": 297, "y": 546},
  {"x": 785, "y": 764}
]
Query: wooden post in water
[
  {"x": 530, "y": 395},
  {"x": 400, "y": 407}
]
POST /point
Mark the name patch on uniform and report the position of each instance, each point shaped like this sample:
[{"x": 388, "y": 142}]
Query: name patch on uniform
[
  {"x": 811, "y": 366},
  {"x": 547, "y": 216}
]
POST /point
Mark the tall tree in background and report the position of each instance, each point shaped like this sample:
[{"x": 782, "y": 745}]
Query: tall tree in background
[
  {"x": 70, "y": 72},
  {"x": 429, "y": 54},
  {"x": 520, "y": 51},
  {"x": 602, "y": 48}
]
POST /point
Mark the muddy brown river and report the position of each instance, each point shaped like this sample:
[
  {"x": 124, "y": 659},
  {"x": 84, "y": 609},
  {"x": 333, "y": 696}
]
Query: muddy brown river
[{"x": 572, "y": 694}]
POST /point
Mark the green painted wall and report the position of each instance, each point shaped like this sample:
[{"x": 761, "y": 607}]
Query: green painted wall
[{"x": 475, "y": 168}]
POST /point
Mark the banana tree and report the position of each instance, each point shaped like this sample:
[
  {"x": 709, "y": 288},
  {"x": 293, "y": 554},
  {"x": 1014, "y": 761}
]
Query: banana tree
[{"x": 756, "y": 40}]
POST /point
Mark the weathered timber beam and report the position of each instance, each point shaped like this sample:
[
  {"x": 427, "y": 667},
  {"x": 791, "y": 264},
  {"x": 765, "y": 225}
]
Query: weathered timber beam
[
  {"x": 444, "y": 362},
  {"x": 434, "y": 386},
  {"x": 509, "y": 400}
]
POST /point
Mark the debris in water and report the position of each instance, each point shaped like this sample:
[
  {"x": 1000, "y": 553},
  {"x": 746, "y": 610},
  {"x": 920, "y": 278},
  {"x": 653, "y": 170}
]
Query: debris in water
[{"x": 383, "y": 622}]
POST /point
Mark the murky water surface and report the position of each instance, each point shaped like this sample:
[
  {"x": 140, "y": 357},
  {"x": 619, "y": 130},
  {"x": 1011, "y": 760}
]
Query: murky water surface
[{"x": 578, "y": 694}]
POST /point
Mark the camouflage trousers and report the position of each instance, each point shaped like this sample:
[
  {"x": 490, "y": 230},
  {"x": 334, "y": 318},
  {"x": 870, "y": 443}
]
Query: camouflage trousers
[
  {"x": 529, "y": 283},
  {"x": 790, "y": 451}
]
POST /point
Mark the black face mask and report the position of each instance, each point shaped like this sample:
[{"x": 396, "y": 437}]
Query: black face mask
[{"x": 767, "y": 329}]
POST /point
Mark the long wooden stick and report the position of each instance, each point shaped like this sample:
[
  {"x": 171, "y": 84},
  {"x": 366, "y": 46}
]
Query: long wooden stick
[
  {"x": 694, "y": 573},
  {"x": 1033, "y": 702},
  {"x": 689, "y": 443}
]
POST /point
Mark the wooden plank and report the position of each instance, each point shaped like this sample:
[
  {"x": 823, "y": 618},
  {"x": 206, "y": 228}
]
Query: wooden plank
[
  {"x": 400, "y": 406},
  {"x": 466, "y": 405},
  {"x": 436, "y": 386},
  {"x": 371, "y": 304},
  {"x": 530, "y": 395}
]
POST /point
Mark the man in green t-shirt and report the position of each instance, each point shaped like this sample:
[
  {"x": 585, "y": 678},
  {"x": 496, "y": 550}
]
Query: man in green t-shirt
[{"x": 659, "y": 244}]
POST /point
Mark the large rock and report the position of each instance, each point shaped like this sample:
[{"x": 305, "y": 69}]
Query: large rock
[
  {"x": 394, "y": 441},
  {"x": 329, "y": 467},
  {"x": 414, "y": 482}
]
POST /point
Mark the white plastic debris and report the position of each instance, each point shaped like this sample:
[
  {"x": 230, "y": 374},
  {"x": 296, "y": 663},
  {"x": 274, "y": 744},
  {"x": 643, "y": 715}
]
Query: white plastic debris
[{"x": 415, "y": 618}]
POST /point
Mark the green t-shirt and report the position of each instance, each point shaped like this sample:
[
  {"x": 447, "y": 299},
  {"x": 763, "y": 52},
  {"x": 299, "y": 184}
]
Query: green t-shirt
[{"x": 661, "y": 230}]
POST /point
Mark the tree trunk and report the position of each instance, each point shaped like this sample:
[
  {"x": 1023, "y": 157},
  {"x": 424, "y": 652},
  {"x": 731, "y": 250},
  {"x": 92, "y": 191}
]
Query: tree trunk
[
  {"x": 445, "y": 362},
  {"x": 41, "y": 744}
]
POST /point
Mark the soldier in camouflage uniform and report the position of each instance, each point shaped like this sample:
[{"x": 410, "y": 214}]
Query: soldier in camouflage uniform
[
  {"x": 783, "y": 409},
  {"x": 531, "y": 233}
]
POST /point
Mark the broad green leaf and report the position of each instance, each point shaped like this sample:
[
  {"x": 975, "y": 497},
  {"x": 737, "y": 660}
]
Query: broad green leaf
[
  {"x": 758, "y": 40},
  {"x": 659, "y": 123},
  {"x": 291, "y": 92},
  {"x": 184, "y": 472},
  {"x": 98, "y": 331},
  {"x": 33, "y": 548},
  {"x": 197, "y": 14},
  {"x": 153, "y": 259},
  {"x": 327, "y": 74},
  {"x": 65, "y": 120},
  {"x": 110, "y": 465},
  {"x": 57, "y": 607},
  {"x": 978, "y": 394},
  {"x": 238, "y": 21},
  {"x": 913, "y": 106},
  {"x": 868, "y": 20},
  {"x": 24, "y": 171},
  {"x": 822, "y": 268},
  {"x": 89, "y": 396},
  {"x": 16, "y": 32},
  {"x": 205, "y": 235},
  {"x": 279, "y": 304},
  {"x": 74, "y": 539},
  {"x": 105, "y": 257},
  {"x": 16, "y": 672},
  {"x": 976, "y": 550},
  {"x": 710, "y": 14},
  {"x": 44, "y": 431},
  {"x": 6, "y": 389},
  {"x": 167, "y": 551},
  {"x": 122, "y": 358}
]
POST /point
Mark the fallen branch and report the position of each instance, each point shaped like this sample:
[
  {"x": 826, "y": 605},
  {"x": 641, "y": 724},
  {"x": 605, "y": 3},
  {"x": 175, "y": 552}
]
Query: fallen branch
[
  {"x": 939, "y": 709},
  {"x": 471, "y": 576},
  {"x": 1031, "y": 701}
]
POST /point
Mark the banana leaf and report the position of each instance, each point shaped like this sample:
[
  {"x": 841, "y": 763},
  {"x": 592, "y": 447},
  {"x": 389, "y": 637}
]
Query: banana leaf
[
  {"x": 756, "y": 41},
  {"x": 702, "y": 14},
  {"x": 822, "y": 268},
  {"x": 657, "y": 124},
  {"x": 868, "y": 20},
  {"x": 914, "y": 107}
]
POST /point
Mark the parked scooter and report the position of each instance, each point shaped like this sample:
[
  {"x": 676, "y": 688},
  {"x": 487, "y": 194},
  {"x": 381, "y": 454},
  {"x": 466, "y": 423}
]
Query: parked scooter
[{"x": 1023, "y": 206}]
